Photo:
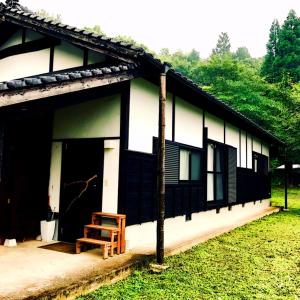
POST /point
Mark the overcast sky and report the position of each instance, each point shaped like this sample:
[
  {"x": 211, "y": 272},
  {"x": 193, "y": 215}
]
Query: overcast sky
[{"x": 175, "y": 24}]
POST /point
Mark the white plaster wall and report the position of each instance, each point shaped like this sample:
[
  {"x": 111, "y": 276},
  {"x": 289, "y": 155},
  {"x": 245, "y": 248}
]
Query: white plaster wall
[
  {"x": 95, "y": 57},
  {"x": 256, "y": 145},
  {"x": 110, "y": 176},
  {"x": 178, "y": 230},
  {"x": 249, "y": 151},
  {"x": 67, "y": 56},
  {"x": 232, "y": 138},
  {"x": 24, "y": 65},
  {"x": 215, "y": 128},
  {"x": 91, "y": 119},
  {"x": 32, "y": 36},
  {"x": 143, "y": 115},
  {"x": 265, "y": 150},
  {"x": 243, "y": 149},
  {"x": 188, "y": 123},
  {"x": 16, "y": 39},
  {"x": 55, "y": 175},
  {"x": 169, "y": 118}
]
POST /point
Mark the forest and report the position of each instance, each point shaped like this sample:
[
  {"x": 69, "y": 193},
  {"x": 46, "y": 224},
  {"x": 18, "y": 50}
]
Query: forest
[{"x": 267, "y": 90}]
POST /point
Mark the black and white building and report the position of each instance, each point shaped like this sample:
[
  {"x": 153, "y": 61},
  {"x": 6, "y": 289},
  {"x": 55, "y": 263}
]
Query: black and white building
[{"x": 79, "y": 120}]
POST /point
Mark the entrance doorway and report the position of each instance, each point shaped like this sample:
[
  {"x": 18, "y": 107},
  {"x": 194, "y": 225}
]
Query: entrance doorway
[
  {"x": 25, "y": 174},
  {"x": 81, "y": 186}
]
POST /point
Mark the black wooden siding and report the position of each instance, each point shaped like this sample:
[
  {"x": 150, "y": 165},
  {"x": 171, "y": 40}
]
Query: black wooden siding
[
  {"x": 252, "y": 185},
  {"x": 231, "y": 174},
  {"x": 138, "y": 197},
  {"x": 139, "y": 191}
]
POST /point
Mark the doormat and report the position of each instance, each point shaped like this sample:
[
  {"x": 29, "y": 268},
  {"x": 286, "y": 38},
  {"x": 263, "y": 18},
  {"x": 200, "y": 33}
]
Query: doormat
[{"x": 64, "y": 247}]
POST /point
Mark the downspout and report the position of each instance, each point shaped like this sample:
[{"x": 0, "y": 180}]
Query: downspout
[{"x": 161, "y": 164}]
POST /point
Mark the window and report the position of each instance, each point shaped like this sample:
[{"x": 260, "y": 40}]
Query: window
[
  {"x": 215, "y": 172},
  {"x": 190, "y": 165},
  {"x": 255, "y": 163}
]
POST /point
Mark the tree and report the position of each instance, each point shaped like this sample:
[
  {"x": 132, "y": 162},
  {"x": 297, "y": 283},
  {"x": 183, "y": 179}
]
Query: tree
[
  {"x": 282, "y": 61},
  {"x": 242, "y": 53},
  {"x": 268, "y": 68},
  {"x": 223, "y": 45},
  {"x": 193, "y": 56},
  {"x": 288, "y": 58}
]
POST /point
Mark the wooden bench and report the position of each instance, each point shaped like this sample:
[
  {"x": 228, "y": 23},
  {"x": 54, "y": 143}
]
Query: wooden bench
[{"x": 103, "y": 245}]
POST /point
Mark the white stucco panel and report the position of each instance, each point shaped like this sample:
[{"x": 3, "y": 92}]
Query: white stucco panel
[
  {"x": 67, "y": 56},
  {"x": 249, "y": 151},
  {"x": 232, "y": 138},
  {"x": 14, "y": 40},
  {"x": 215, "y": 128},
  {"x": 55, "y": 175},
  {"x": 188, "y": 123},
  {"x": 243, "y": 149},
  {"x": 95, "y": 57},
  {"x": 32, "y": 36},
  {"x": 24, "y": 65},
  {"x": 91, "y": 119},
  {"x": 265, "y": 150},
  {"x": 169, "y": 117},
  {"x": 143, "y": 115},
  {"x": 256, "y": 145},
  {"x": 110, "y": 176}
]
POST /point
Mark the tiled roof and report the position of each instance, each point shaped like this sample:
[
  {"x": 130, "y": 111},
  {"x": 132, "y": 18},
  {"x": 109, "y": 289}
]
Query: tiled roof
[
  {"x": 19, "y": 14},
  {"x": 57, "y": 77}
]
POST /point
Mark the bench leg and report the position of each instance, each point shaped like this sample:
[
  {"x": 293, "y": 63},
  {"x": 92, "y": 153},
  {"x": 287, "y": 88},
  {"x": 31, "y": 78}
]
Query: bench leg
[
  {"x": 78, "y": 247},
  {"x": 105, "y": 251}
]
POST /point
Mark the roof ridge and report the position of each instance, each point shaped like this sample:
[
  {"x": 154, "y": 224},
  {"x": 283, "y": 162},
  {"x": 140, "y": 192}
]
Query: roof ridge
[{"x": 20, "y": 10}]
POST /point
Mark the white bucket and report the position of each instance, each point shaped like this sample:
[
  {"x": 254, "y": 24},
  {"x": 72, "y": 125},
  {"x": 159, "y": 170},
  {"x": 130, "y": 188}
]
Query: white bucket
[{"x": 47, "y": 230}]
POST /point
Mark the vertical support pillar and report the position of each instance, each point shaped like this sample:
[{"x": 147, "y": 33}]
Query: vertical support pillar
[
  {"x": 286, "y": 178},
  {"x": 161, "y": 165}
]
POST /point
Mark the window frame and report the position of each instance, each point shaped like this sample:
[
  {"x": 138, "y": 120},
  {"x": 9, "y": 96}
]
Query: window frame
[
  {"x": 191, "y": 150},
  {"x": 215, "y": 202}
]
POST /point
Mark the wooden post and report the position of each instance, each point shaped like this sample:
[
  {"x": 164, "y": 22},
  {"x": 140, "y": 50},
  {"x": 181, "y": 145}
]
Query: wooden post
[
  {"x": 161, "y": 166},
  {"x": 286, "y": 178}
]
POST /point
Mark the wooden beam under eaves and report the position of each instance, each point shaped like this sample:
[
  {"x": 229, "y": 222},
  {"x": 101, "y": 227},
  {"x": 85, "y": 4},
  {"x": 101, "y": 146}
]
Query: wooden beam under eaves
[
  {"x": 32, "y": 46},
  {"x": 9, "y": 98}
]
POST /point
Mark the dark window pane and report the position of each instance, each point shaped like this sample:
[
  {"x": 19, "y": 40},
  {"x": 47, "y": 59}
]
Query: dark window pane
[
  {"x": 195, "y": 166},
  {"x": 219, "y": 164},
  {"x": 219, "y": 187}
]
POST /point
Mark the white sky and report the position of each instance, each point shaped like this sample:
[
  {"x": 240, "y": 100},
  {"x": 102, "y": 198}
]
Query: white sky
[{"x": 176, "y": 24}]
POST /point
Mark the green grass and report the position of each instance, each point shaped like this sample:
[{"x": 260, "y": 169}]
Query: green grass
[{"x": 260, "y": 260}]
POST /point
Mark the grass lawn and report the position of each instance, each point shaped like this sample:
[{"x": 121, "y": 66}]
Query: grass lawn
[{"x": 260, "y": 260}]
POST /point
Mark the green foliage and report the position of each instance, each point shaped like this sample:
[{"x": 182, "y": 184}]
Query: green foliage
[
  {"x": 282, "y": 61},
  {"x": 129, "y": 40},
  {"x": 43, "y": 13},
  {"x": 268, "y": 68},
  {"x": 96, "y": 29},
  {"x": 257, "y": 261},
  {"x": 242, "y": 53},
  {"x": 223, "y": 45}
]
